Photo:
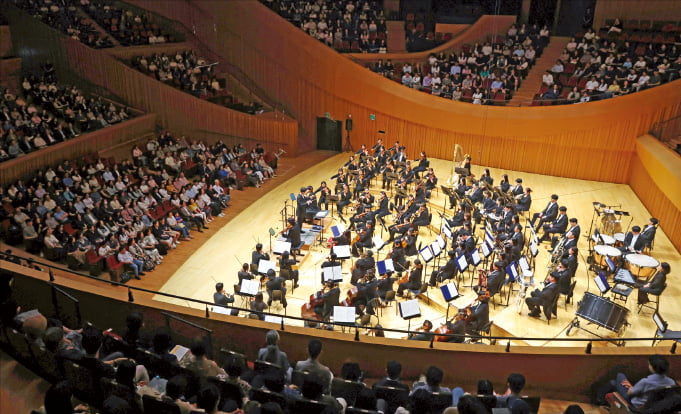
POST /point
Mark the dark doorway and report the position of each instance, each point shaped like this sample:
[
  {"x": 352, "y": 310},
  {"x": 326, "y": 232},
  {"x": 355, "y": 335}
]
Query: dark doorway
[
  {"x": 329, "y": 134},
  {"x": 542, "y": 12},
  {"x": 574, "y": 16}
]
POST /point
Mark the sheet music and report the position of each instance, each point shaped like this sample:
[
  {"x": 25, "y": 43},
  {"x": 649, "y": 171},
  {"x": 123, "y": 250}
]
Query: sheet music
[
  {"x": 486, "y": 251},
  {"x": 489, "y": 240},
  {"x": 265, "y": 265},
  {"x": 602, "y": 284},
  {"x": 475, "y": 257},
  {"x": 440, "y": 241},
  {"x": 446, "y": 231},
  {"x": 435, "y": 248},
  {"x": 281, "y": 246},
  {"x": 222, "y": 310},
  {"x": 389, "y": 265},
  {"x": 333, "y": 273},
  {"x": 342, "y": 252},
  {"x": 344, "y": 314},
  {"x": 512, "y": 270},
  {"x": 179, "y": 351},
  {"x": 321, "y": 214},
  {"x": 449, "y": 292},
  {"x": 273, "y": 319},
  {"x": 409, "y": 309},
  {"x": 378, "y": 241},
  {"x": 524, "y": 264},
  {"x": 534, "y": 249},
  {"x": 426, "y": 254},
  {"x": 249, "y": 287},
  {"x": 461, "y": 261}
]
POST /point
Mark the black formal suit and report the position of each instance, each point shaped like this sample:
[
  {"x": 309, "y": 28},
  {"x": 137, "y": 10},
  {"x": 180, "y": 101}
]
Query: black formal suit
[
  {"x": 495, "y": 280},
  {"x": 572, "y": 264},
  {"x": 575, "y": 230},
  {"x": 517, "y": 190},
  {"x": 655, "y": 287},
  {"x": 544, "y": 299},
  {"x": 399, "y": 259},
  {"x": 648, "y": 234},
  {"x": 519, "y": 238},
  {"x": 221, "y": 299},
  {"x": 524, "y": 203},
  {"x": 414, "y": 282},
  {"x": 278, "y": 283},
  {"x": 293, "y": 235},
  {"x": 476, "y": 196},
  {"x": 488, "y": 204},
  {"x": 557, "y": 226},
  {"x": 256, "y": 256},
  {"x": 639, "y": 244},
  {"x": 479, "y": 317},
  {"x": 569, "y": 243},
  {"x": 448, "y": 271},
  {"x": 547, "y": 215}
]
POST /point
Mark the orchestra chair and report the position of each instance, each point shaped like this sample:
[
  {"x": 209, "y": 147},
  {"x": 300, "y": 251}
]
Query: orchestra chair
[
  {"x": 423, "y": 289},
  {"x": 376, "y": 305},
  {"x": 264, "y": 396},
  {"x": 665, "y": 399},
  {"x": 296, "y": 250},
  {"x": 570, "y": 294},
  {"x": 226, "y": 354},
  {"x": 389, "y": 297},
  {"x": 244, "y": 298},
  {"x": 552, "y": 310},
  {"x": 303, "y": 405},
  {"x": 482, "y": 333},
  {"x": 348, "y": 390},
  {"x": 439, "y": 401},
  {"x": 353, "y": 410},
  {"x": 85, "y": 383},
  {"x": 621, "y": 292},
  {"x": 278, "y": 296},
  {"x": 394, "y": 397},
  {"x": 652, "y": 298},
  {"x": 368, "y": 322},
  {"x": 264, "y": 368},
  {"x": 532, "y": 402},
  {"x": 152, "y": 405}
]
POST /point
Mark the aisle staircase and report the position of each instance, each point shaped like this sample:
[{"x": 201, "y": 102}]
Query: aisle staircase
[{"x": 532, "y": 83}]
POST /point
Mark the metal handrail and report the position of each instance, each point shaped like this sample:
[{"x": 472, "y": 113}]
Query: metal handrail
[{"x": 344, "y": 325}]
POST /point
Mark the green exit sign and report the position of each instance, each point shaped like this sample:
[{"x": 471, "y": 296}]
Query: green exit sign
[{"x": 372, "y": 117}]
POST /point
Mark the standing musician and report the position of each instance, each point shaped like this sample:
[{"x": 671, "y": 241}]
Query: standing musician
[
  {"x": 301, "y": 204},
  {"x": 286, "y": 263},
  {"x": 649, "y": 231},
  {"x": 656, "y": 286},
  {"x": 292, "y": 232},
  {"x": 414, "y": 281},
  {"x": 258, "y": 254},
  {"x": 446, "y": 272},
  {"x": 548, "y": 214}
]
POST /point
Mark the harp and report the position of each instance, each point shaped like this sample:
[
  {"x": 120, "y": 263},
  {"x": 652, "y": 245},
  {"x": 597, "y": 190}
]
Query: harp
[{"x": 458, "y": 162}]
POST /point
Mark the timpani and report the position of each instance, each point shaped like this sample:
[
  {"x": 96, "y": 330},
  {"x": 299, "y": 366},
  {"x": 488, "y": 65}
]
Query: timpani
[
  {"x": 641, "y": 265},
  {"x": 602, "y": 250},
  {"x": 619, "y": 239},
  {"x": 607, "y": 240}
]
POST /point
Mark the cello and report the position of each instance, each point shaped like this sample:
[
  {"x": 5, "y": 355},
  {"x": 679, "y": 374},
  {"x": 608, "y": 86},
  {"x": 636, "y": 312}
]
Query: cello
[{"x": 316, "y": 300}]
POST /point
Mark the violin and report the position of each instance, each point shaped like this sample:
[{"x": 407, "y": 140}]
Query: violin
[{"x": 285, "y": 229}]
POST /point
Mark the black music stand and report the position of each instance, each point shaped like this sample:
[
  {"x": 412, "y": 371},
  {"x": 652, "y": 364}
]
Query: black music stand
[
  {"x": 392, "y": 177},
  {"x": 332, "y": 199}
]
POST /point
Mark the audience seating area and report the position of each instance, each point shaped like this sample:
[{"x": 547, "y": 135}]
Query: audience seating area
[
  {"x": 120, "y": 22},
  {"x": 192, "y": 74},
  {"x": 93, "y": 214},
  {"x": 621, "y": 59},
  {"x": 46, "y": 113},
  {"x": 347, "y": 26},
  {"x": 486, "y": 74}
]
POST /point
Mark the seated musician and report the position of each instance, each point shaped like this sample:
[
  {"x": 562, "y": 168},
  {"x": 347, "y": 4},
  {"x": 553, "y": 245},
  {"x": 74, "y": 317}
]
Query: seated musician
[
  {"x": 547, "y": 215},
  {"x": 367, "y": 289},
  {"x": 358, "y": 272},
  {"x": 557, "y": 226},
  {"x": 458, "y": 218},
  {"x": 475, "y": 194},
  {"x": 258, "y": 306},
  {"x": 425, "y": 332},
  {"x": 286, "y": 263},
  {"x": 562, "y": 276},
  {"x": 478, "y": 315},
  {"x": 324, "y": 191},
  {"x": 244, "y": 273},
  {"x": 414, "y": 281},
  {"x": 360, "y": 217},
  {"x": 656, "y": 285},
  {"x": 331, "y": 262},
  {"x": 518, "y": 236},
  {"x": 343, "y": 239},
  {"x": 329, "y": 295},
  {"x": 365, "y": 239},
  {"x": 422, "y": 216},
  {"x": 488, "y": 204},
  {"x": 633, "y": 242},
  {"x": 410, "y": 248},
  {"x": 446, "y": 272},
  {"x": 457, "y": 326},
  {"x": 495, "y": 279},
  {"x": 275, "y": 283},
  {"x": 400, "y": 226},
  {"x": 385, "y": 284},
  {"x": 524, "y": 201},
  {"x": 383, "y": 209},
  {"x": 506, "y": 223},
  {"x": 258, "y": 254},
  {"x": 398, "y": 256},
  {"x": 293, "y": 233},
  {"x": 544, "y": 298},
  {"x": 344, "y": 199}
]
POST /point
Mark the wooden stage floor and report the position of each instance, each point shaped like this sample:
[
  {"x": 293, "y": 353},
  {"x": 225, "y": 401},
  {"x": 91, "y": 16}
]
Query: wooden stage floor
[{"x": 194, "y": 271}]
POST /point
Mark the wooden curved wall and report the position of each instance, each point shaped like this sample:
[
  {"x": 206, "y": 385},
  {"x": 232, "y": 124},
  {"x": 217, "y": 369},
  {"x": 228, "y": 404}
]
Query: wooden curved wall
[
  {"x": 546, "y": 369},
  {"x": 592, "y": 141}
]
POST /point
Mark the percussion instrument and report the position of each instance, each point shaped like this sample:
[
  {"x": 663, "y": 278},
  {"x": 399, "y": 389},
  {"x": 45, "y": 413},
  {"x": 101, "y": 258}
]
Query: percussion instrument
[
  {"x": 641, "y": 265},
  {"x": 603, "y": 312},
  {"x": 619, "y": 239},
  {"x": 610, "y": 223},
  {"x": 607, "y": 240},
  {"x": 601, "y": 250}
]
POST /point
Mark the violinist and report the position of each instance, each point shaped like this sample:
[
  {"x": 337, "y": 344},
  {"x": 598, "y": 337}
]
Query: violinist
[
  {"x": 446, "y": 272},
  {"x": 344, "y": 200},
  {"x": 414, "y": 281},
  {"x": 425, "y": 330},
  {"x": 332, "y": 261},
  {"x": 362, "y": 214},
  {"x": 286, "y": 263},
  {"x": 365, "y": 239},
  {"x": 400, "y": 190},
  {"x": 301, "y": 204},
  {"x": 367, "y": 198},
  {"x": 312, "y": 205},
  {"x": 420, "y": 192},
  {"x": 327, "y": 298},
  {"x": 411, "y": 239},
  {"x": 324, "y": 191},
  {"x": 422, "y": 217},
  {"x": 478, "y": 314},
  {"x": 398, "y": 256},
  {"x": 258, "y": 255},
  {"x": 293, "y": 233},
  {"x": 385, "y": 284},
  {"x": 378, "y": 147},
  {"x": 423, "y": 164},
  {"x": 367, "y": 289},
  {"x": 400, "y": 225},
  {"x": 408, "y": 174},
  {"x": 343, "y": 239},
  {"x": 244, "y": 273},
  {"x": 383, "y": 209},
  {"x": 341, "y": 179}
]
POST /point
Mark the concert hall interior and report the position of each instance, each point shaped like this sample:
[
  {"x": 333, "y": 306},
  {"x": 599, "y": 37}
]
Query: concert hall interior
[{"x": 502, "y": 200}]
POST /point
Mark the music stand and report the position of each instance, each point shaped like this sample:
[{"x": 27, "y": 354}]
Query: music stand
[
  {"x": 281, "y": 246},
  {"x": 385, "y": 266},
  {"x": 249, "y": 287},
  {"x": 332, "y": 199},
  {"x": 272, "y": 234},
  {"x": 344, "y": 315},
  {"x": 602, "y": 283},
  {"x": 342, "y": 252},
  {"x": 449, "y": 293},
  {"x": 409, "y": 309},
  {"x": 332, "y": 274},
  {"x": 265, "y": 265},
  {"x": 274, "y": 319}
]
